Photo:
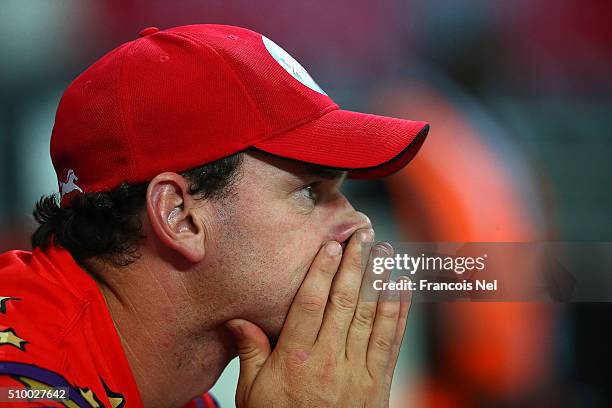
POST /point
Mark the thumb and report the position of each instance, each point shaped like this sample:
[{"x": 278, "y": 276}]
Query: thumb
[{"x": 253, "y": 350}]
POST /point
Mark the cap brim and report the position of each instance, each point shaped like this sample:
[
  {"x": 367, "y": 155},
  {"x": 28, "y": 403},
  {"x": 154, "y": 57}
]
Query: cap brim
[{"x": 365, "y": 145}]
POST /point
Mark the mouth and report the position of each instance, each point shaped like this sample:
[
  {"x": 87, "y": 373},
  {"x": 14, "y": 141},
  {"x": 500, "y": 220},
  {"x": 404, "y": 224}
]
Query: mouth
[{"x": 343, "y": 245}]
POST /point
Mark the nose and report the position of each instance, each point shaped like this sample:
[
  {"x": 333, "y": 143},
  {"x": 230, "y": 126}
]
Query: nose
[{"x": 347, "y": 227}]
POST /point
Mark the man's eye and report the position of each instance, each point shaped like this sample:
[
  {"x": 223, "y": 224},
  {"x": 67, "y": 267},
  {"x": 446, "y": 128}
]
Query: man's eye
[{"x": 309, "y": 193}]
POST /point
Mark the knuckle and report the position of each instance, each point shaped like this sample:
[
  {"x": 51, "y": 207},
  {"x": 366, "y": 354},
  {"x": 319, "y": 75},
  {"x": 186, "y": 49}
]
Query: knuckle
[
  {"x": 364, "y": 317},
  {"x": 382, "y": 343},
  {"x": 311, "y": 303},
  {"x": 356, "y": 262},
  {"x": 297, "y": 357},
  {"x": 342, "y": 301},
  {"x": 327, "y": 371},
  {"x": 247, "y": 351},
  {"x": 325, "y": 269},
  {"x": 293, "y": 365},
  {"x": 389, "y": 311}
]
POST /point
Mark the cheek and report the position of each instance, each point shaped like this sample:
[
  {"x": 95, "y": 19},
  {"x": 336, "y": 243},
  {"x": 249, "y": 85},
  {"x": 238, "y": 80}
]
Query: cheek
[
  {"x": 259, "y": 258},
  {"x": 266, "y": 260},
  {"x": 279, "y": 261},
  {"x": 263, "y": 249}
]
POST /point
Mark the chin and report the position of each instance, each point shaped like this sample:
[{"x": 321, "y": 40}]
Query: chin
[
  {"x": 272, "y": 318},
  {"x": 272, "y": 327}
]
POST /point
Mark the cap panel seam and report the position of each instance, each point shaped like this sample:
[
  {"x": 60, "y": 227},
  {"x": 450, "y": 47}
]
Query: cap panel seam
[
  {"x": 268, "y": 132},
  {"x": 122, "y": 116},
  {"x": 233, "y": 74}
]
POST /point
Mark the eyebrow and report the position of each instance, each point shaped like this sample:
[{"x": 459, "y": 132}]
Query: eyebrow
[{"x": 324, "y": 172}]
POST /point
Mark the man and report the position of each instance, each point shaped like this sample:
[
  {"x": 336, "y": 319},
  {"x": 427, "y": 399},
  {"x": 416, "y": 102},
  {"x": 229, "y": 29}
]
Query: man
[{"x": 200, "y": 217}]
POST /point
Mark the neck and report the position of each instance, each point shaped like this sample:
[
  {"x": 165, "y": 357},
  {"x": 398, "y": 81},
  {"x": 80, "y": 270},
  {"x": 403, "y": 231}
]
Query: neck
[{"x": 176, "y": 352}]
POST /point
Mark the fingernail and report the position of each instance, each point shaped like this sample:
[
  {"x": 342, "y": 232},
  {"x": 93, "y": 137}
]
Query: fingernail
[
  {"x": 404, "y": 277},
  {"x": 385, "y": 248},
  {"x": 366, "y": 235},
  {"x": 333, "y": 248}
]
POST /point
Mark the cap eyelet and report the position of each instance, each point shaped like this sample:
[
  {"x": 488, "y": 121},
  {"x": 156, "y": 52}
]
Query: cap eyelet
[
  {"x": 232, "y": 36},
  {"x": 164, "y": 58}
]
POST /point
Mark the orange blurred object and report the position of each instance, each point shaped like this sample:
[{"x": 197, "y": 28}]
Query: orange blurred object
[{"x": 460, "y": 188}]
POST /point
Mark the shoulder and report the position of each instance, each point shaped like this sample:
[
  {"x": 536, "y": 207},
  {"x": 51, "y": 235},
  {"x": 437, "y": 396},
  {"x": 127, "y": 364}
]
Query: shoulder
[
  {"x": 35, "y": 312},
  {"x": 33, "y": 301},
  {"x": 42, "y": 334}
]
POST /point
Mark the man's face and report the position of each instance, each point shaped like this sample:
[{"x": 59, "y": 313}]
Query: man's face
[{"x": 264, "y": 238}]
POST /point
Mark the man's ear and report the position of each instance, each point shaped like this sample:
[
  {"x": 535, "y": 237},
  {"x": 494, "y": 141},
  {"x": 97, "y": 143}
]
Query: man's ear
[{"x": 170, "y": 208}]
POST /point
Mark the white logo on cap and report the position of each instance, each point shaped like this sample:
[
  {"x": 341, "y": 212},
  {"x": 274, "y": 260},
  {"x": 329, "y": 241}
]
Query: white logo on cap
[
  {"x": 69, "y": 185},
  {"x": 291, "y": 65}
]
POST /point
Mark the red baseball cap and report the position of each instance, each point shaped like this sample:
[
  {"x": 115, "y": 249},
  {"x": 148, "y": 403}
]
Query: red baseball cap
[{"x": 179, "y": 98}]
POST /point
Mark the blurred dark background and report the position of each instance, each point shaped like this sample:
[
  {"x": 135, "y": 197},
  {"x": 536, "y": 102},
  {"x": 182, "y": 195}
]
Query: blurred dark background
[{"x": 519, "y": 97}]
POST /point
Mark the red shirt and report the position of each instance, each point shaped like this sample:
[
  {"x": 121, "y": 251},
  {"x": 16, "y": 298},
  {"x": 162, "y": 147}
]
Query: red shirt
[{"x": 56, "y": 331}]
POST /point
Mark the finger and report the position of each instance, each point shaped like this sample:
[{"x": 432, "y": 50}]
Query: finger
[
  {"x": 381, "y": 341},
  {"x": 363, "y": 319},
  {"x": 405, "y": 303},
  {"x": 306, "y": 312},
  {"x": 345, "y": 292},
  {"x": 253, "y": 350}
]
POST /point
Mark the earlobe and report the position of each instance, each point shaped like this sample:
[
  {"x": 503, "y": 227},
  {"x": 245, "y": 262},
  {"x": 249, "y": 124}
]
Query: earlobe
[{"x": 170, "y": 212}]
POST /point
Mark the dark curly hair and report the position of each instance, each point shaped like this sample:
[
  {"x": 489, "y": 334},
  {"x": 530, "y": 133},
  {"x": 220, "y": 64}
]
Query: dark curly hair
[{"x": 107, "y": 224}]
